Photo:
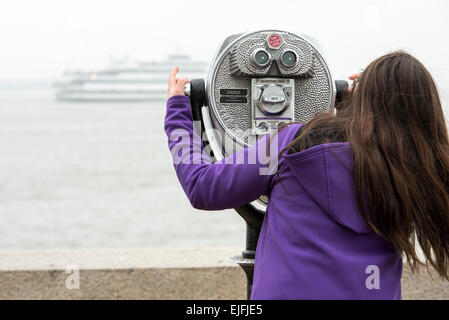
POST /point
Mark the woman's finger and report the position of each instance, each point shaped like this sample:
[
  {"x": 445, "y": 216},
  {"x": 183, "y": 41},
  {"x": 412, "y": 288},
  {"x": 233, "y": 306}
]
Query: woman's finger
[
  {"x": 172, "y": 77},
  {"x": 354, "y": 76},
  {"x": 180, "y": 84}
]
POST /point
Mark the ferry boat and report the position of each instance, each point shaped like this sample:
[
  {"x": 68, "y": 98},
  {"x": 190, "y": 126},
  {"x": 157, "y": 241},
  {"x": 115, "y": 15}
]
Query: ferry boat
[{"x": 126, "y": 81}]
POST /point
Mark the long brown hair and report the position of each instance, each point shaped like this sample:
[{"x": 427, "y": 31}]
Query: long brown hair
[{"x": 395, "y": 125}]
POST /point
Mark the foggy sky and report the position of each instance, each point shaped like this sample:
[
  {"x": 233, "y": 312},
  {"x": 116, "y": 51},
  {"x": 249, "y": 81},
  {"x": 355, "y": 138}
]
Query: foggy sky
[{"x": 40, "y": 39}]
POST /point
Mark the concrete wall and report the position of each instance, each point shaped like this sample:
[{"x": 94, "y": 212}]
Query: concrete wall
[{"x": 204, "y": 273}]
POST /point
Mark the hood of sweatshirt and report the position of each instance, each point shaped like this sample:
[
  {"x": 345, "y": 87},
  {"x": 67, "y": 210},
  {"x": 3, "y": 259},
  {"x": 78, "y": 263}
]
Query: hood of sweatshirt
[{"x": 326, "y": 174}]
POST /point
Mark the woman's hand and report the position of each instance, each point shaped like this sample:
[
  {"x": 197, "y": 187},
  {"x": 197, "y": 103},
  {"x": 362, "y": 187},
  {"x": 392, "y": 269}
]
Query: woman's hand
[
  {"x": 355, "y": 79},
  {"x": 175, "y": 85}
]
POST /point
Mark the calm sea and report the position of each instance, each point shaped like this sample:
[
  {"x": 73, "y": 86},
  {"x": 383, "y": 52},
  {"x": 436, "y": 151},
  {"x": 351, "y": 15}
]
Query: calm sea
[{"x": 95, "y": 175}]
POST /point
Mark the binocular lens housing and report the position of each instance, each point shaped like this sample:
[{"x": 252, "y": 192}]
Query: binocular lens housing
[
  {"x": 289, "y": 59},
  {"x": 260, "y": 58}
]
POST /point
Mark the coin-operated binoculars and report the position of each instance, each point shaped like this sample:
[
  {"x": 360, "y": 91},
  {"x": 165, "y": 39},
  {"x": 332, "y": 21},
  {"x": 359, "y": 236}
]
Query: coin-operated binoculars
[{"x": 257, "y": 81}]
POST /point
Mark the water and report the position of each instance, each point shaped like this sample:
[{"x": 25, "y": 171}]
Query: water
[{"x": 95, "y": 175}]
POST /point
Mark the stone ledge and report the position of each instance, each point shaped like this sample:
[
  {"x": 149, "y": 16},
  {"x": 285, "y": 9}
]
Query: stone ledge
[
  {"x": 92, "y": 259},
  {"x": 188, "y": 283},
  {"x": 202, "y": 273}
]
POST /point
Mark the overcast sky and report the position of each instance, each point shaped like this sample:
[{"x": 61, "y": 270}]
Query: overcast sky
[{"x": 41, "y": 38}]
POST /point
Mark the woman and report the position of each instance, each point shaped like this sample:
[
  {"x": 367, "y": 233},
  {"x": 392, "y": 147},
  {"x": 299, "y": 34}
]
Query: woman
[{"x": 352, "y": 193}]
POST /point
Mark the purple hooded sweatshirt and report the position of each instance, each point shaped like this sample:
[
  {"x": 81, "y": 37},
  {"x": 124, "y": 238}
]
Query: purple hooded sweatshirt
[{"x": 314, "y": 243}]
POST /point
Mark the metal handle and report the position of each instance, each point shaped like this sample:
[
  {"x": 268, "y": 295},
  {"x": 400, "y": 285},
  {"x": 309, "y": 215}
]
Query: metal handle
[
  {"x": 187, "y": 89},
  {"x": 342, "y": 90}
]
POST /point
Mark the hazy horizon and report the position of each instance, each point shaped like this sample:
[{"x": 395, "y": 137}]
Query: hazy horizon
[{"x": 43, "y": 38}]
